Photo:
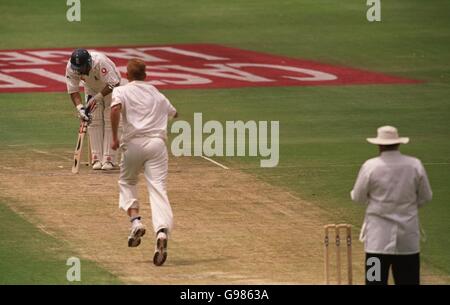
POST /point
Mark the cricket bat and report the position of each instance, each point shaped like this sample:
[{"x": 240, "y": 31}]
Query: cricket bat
[{"x": 77, "y": 155}]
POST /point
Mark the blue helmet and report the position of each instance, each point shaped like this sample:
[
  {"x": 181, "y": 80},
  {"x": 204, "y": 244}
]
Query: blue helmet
[{"x": 81, "y": 61}]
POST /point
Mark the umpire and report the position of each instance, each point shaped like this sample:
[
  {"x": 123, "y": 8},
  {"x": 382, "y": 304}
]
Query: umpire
[{"x": 393, "y": 186}]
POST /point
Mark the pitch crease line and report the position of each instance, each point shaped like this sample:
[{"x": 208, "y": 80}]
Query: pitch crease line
[{"x": 215, "y": 162}]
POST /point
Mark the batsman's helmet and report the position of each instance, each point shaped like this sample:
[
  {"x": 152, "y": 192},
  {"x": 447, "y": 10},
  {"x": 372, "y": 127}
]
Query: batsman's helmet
[{"x": 80, "y": 60}]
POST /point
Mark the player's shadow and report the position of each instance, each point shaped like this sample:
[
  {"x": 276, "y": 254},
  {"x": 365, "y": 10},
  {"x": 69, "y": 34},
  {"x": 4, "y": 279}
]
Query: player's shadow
[
  {"x": 113, "y": 171},
  {"x": 190, "y": 262},
  {"x": 187, "y": 262}
]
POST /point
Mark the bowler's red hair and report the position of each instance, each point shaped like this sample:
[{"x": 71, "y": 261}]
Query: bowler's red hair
[{"x": 136, "y": 69}]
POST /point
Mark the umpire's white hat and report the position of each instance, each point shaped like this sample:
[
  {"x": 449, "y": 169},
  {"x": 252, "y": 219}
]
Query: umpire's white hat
[{"x": 388, "y": 135}]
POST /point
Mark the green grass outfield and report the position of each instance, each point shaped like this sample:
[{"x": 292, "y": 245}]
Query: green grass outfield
[
  {"x": 322, "y": 128},
  {"x": 29, "y": 256}
]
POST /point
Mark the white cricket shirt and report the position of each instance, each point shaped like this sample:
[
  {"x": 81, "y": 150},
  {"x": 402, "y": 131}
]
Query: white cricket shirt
[
  {"x": 145, "y": 110},
  {"x": 393, "y": 186},
  {"x": 103, "y": 72}
]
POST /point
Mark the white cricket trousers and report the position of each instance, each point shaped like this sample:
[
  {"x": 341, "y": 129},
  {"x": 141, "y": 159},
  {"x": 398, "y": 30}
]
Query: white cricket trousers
[
  {"x": 100, "y": 132},
  {"x": 150, "y": 154}
]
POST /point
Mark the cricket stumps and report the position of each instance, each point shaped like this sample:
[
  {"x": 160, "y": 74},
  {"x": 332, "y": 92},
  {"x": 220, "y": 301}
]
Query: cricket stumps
[{"x": 347, "y": 229}]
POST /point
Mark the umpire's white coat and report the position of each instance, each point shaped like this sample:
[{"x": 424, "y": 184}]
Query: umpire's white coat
[{"x": 393, "y": 186}]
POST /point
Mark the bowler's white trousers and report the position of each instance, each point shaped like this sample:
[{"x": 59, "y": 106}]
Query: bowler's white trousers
[{"x": 150, "y": 153}]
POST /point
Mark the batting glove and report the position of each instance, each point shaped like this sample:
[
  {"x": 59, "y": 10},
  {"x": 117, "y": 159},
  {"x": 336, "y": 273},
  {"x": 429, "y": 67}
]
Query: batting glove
[{"x": 82, "y": 113}]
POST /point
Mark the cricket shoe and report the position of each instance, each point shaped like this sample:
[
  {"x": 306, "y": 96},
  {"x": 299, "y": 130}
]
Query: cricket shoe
[
  {"x": 137, "y": 231},
  {"x": 96, "y": 165},
  {"x": 107, "y": 166},
  {"x": 160, "y": 255}
]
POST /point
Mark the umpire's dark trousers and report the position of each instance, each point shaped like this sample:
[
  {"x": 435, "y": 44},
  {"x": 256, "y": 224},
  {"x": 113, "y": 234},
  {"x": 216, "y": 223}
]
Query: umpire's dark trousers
[{"x": 405, "y": 269}]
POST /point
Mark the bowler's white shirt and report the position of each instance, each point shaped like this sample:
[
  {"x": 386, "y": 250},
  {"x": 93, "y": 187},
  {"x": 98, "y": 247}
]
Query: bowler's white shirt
[
  {"x": 103, "y": 72},
  {"x": 145, "y": 110},
  {"x": 393, "y": 186}
]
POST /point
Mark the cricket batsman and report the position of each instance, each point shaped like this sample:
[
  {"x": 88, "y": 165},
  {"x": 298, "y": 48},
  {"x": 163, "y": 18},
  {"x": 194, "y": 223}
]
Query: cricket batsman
[{"x": 99, "y": 75}]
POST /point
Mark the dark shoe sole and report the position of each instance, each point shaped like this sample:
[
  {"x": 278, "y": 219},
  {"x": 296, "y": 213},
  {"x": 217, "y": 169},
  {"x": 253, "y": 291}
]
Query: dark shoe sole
[
  {"x": 160, "y": 255},
  {"x": 136, "y": 239}
]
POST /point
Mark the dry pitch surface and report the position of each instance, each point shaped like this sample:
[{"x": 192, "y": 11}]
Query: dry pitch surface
[{"x": 231, "y": 228}]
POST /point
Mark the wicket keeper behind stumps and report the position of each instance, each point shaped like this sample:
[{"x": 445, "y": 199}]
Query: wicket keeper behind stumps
[{"x": 99, "y": 76}]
